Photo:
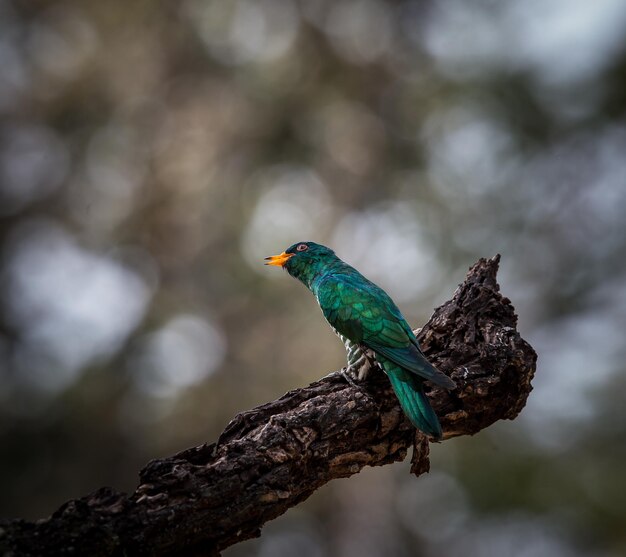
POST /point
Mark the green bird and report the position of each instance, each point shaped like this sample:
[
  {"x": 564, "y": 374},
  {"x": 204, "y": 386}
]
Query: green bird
[{"x": 370, "y": 324}]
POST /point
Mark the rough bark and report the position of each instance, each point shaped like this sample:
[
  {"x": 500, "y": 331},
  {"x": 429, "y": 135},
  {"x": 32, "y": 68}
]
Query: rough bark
[{"x": 271, "y": 458}]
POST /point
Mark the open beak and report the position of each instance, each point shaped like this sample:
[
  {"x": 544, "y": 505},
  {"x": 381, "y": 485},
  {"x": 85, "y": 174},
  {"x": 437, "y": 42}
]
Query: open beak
[{"x": 278, "y": 260}]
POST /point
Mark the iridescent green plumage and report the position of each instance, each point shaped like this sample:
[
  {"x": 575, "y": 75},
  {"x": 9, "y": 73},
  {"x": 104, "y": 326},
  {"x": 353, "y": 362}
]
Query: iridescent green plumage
[{"x": 367, "y": 319}]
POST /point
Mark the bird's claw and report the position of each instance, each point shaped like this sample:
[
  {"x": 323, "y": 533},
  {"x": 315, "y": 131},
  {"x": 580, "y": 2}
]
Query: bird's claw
[
  {"x": 338, "y": 375},
  {"x": 350, "y": 376}
]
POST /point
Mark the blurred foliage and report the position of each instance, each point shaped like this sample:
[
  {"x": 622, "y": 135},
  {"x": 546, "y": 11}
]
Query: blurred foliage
[{"x": 152, "y": 153}]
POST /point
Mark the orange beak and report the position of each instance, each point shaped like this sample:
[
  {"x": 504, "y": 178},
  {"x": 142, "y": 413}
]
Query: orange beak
[{"x": 278, "y": 260}]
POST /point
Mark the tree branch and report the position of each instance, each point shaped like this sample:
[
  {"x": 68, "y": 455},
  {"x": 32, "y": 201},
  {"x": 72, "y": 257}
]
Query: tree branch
[{"x": 271, "y": 458}]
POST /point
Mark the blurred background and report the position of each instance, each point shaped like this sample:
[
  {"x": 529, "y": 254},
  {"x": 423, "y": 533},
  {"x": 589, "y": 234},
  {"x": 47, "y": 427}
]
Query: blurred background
[{"x": 152, "y": 153}]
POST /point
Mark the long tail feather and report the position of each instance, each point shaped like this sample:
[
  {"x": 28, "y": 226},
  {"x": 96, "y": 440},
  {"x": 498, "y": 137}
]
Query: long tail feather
[{"x": 413, "y": 401}]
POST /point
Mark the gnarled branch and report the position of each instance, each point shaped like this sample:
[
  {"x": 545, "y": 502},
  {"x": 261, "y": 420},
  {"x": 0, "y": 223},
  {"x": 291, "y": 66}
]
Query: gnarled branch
[{"x": 269, "y": 459}]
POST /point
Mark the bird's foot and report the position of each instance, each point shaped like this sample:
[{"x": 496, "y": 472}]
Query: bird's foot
[
  {"x": 351, "y": 375},
  {"x": 361, "y": 361},
  {"x": 345, "y": 374},
  {"x": 360, "y": 367},
  {"x": 338, "y": 375}
]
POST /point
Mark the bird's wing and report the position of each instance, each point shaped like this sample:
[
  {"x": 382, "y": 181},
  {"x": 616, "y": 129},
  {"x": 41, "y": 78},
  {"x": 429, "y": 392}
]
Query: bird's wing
[{"x": 364, "y": 313}]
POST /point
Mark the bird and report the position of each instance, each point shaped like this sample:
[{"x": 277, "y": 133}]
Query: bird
[{"x": 370, "y": 325}]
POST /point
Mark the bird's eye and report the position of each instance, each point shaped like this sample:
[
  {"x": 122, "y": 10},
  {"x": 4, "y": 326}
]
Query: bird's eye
[{"x": 302, "y": 247}]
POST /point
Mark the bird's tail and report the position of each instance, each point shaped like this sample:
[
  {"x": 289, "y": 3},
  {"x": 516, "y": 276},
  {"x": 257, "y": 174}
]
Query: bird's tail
[{"x": 410, "y": 392}]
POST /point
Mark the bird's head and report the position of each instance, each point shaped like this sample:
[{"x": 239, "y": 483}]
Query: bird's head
[{"x": 304, "y": 260}]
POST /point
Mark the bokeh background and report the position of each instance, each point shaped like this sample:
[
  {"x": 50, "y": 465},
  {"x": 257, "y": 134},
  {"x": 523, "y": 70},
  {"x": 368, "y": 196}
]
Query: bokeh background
[{"x": 152, "y": 153}]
